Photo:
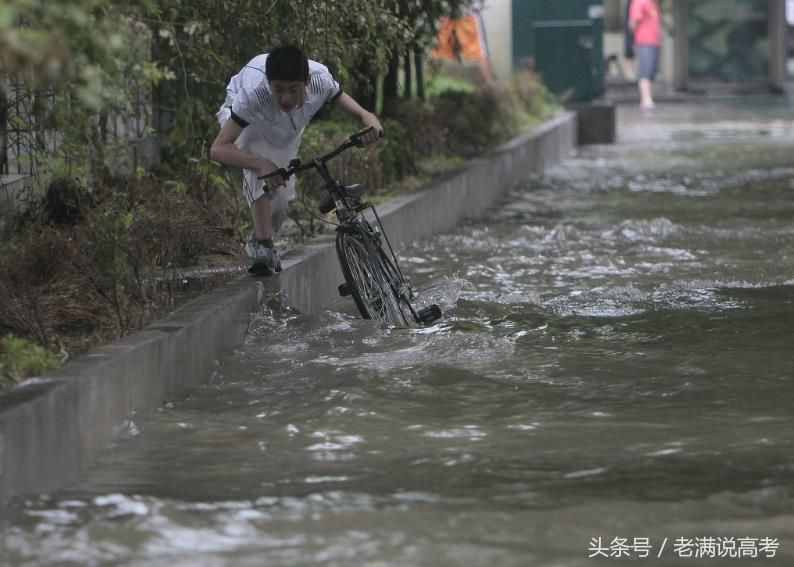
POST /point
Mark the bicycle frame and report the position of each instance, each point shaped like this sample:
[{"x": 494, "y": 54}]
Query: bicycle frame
[{"x": 346, "y": 214}]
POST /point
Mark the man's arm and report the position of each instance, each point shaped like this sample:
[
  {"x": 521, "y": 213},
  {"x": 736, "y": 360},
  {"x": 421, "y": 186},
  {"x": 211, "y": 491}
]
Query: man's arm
[
  {"x": 368, "y": 119},
  {"x": 224, "y": 151}
]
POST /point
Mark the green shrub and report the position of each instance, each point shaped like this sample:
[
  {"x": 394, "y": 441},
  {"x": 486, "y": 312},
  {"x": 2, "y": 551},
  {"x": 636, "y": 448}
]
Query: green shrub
[
  {"x": 398, "y": 153},
  {"x": 440, "y": 84},
  {"x": 21, "y": 359},
  {"x": 533, "y": 96},
  {"x": 470, "y": 119},
  {"x": 108, "y": 274}
]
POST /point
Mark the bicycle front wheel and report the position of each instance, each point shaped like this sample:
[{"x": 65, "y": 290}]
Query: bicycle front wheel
[{"x": 374, "y": 284}]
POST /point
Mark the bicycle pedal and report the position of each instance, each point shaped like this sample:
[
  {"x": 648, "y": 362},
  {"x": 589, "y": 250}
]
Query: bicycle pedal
[
  {"x": 344, "y": 289},
  {"x": 429, "y": 314}
]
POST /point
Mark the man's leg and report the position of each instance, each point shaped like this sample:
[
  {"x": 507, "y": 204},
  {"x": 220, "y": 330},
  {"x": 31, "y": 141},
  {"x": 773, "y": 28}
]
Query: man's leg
[
  {"x": 260, "y": 245},
  {"x": 263, "y": 218},
  {"x": 279, "y": 206}
]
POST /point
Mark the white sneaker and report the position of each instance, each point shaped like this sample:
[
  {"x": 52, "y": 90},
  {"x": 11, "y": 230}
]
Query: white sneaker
[{"x": 264, "y": 259}]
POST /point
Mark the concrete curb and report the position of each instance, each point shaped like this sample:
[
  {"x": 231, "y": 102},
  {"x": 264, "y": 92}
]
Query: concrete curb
[{"x": 50, "y": 429}]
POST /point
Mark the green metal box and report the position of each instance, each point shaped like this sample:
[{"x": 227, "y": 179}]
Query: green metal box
[{"x": 563, "y": 40}]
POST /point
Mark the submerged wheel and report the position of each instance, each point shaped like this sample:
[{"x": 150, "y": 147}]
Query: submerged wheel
[
  {"x": 371, "y": 278},
  {"x": 400, "y": 289}
]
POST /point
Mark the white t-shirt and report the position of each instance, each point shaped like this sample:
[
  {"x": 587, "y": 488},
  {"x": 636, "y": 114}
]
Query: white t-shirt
[{"x": 269, "y": 131}]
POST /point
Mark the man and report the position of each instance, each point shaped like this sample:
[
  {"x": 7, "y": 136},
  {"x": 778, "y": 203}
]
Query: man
[{"x": 268, "y": 104}]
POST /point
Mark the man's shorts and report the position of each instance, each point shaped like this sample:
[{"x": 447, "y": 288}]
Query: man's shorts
[
  {"x": 648, "y": 61},
  {"x": 279, "y": 199},
  {"x": 252, "y": 140}
]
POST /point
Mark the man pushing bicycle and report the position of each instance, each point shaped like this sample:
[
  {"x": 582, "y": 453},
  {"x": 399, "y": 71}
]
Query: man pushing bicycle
[{"x": 268, "y": 105}]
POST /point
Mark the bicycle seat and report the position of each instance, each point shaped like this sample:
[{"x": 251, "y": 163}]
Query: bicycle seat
[{"x": 352, "y": 193}]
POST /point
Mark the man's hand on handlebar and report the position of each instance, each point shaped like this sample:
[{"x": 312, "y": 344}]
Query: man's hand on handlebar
[
  {"x": 266, "y": 167},
  {"x": 275, "y": 177},
  {"x": 372, "y": 129}
]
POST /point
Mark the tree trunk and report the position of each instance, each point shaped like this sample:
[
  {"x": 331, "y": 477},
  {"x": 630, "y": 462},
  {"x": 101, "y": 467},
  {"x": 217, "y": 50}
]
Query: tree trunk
[
  {"x": 3, "y": 131},
  {"x": 408, "y": 84},
  {"x": 157, "y": 97},
  {"x": 365, "y": 88},
  {"x": 419, "y": 66},
  {"x": 391, "y": 86}
]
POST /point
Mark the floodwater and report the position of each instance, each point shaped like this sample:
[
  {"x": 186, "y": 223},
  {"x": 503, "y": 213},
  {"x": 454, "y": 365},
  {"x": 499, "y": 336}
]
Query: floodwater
[{"x": 612, "y": 379}]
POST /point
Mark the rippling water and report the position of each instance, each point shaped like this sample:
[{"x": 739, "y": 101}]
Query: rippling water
[{"x": 614, "y": 362}]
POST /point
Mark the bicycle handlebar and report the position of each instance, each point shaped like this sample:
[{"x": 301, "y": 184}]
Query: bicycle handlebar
[{"x": 295, "y": 166}]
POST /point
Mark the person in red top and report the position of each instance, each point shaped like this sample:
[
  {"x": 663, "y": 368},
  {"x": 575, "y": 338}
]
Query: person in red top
[{"x": 645, "y": 19}]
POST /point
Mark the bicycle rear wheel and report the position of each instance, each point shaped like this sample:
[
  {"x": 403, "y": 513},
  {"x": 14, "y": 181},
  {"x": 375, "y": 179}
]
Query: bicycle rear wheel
[{"x": 373, "y": 281}]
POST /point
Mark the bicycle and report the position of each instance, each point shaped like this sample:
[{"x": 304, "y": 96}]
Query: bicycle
[{"x": 372, "y": 275}]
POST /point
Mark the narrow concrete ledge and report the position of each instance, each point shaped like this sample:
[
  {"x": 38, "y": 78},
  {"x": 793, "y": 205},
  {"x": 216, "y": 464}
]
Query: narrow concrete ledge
[{"x": 51, "y": 428}]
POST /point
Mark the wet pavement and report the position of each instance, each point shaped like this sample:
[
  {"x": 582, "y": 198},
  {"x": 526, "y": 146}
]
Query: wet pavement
[{"x": 611, "y": 380}]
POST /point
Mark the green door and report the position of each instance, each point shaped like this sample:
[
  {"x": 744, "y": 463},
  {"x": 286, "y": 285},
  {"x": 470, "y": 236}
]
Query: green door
[{"x": 563, "y": 41}]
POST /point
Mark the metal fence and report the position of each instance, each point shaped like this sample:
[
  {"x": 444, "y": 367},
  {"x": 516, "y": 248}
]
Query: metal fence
[
  {"x": 28, "y": 127},
  {"x": 24, "y": 136}
]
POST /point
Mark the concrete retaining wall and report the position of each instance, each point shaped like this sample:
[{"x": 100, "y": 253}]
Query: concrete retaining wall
[{"x": 52, "y": 428}]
